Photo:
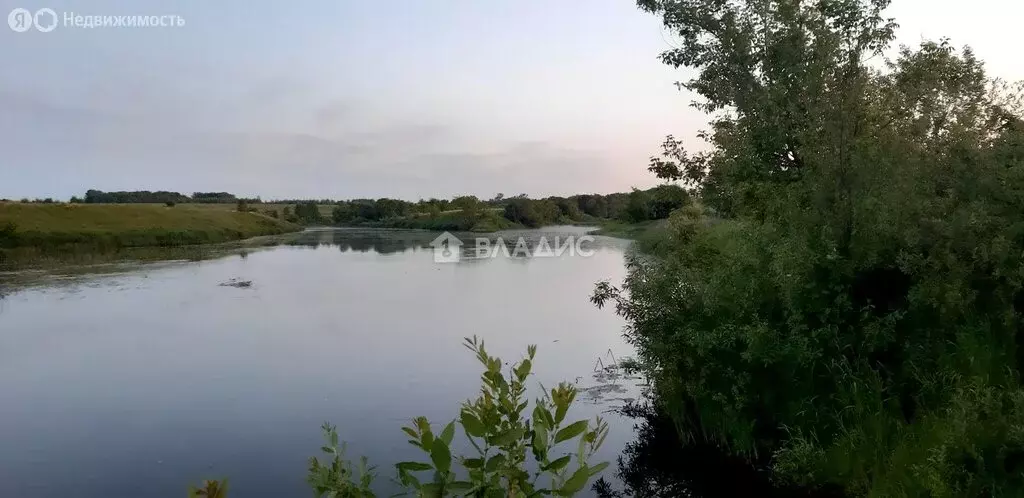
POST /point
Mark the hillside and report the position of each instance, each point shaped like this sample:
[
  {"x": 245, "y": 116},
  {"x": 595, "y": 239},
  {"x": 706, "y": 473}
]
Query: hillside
[{"x": 127, "y": 225}]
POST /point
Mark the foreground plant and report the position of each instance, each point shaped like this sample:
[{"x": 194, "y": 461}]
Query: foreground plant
[
  {"x": 210, "y": 489},
  {"x": 502, "y": 437},
  {"x": 338, "y": 478}
]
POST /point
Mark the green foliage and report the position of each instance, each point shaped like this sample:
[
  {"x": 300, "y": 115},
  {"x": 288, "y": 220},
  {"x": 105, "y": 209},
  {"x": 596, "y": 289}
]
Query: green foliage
[
  {"x": 654, "y": 204},
  {"x": 338, "y": 477},
  {"x": 241, "y": 206},
  {"x": 467, "y": 203},
  {"x": 857, "y": 317},
  {"x": 459, "y": 221},
  {"x": 141, "y": 196},
  {"x": 308, "y": 213},
  {"x": 342, "y": 213},
  {"x": 568, "y": 209},
  {"x": 504, "y": 439},
  {"x": 532, "y": 213},
  {"x": 210, "y": 489},
  {"x": 214, "y": 197},
  {"x": 8, "y": 234}
]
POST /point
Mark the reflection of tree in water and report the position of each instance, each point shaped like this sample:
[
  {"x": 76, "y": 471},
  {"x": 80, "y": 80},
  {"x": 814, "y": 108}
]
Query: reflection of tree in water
[
  {"x": 500, "y": 244},
  {"x": 350, "y": 240},
  {"x": 657, "y": 465}
]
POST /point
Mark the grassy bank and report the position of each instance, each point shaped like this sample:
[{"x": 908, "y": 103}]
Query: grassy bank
[
  {"x": 627, "y": 230},
  {"x": 57, "y": 227}
]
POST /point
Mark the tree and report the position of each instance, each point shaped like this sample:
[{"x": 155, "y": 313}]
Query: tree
[
  {"x": 531, "y": 213},
  {"x": 664, "y": 199},
  {"x": 468, "y": 203},
  {"x": 567, "y": 208},
  {"x": 849, "y": 319},
  {"x": 342, "y": 213},
  {"x": 307, "y": 212}
]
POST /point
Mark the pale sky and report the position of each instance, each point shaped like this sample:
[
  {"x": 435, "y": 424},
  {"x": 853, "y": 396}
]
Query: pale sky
[{"x": 371, "y": 98}]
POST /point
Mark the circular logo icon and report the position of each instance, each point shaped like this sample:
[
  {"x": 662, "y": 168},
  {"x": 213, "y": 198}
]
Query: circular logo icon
[
  {"x": 20, "y": 20},
  {"x": 45, "y": 19}
]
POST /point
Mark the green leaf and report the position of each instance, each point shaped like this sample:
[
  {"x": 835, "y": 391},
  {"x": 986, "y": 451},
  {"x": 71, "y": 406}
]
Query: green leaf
[
  {"x": 560, "y": 410},
  {"x": 411, "y": 432},
  {"x": 422, "y": 424},
  {"x": 575, "y": 483},
  {"x": 472, "y": 425},
  {"x": 540, "y": 439},
  {"x": 598, "y": 468},
  {"x": 473, "y": 463},
  {"x": 408, "y": 479},
  {"x": 523, "y": 370},
  {"x": 448, "y": 433},
  {"x": 558, "y": 464},
  {"x": 441, "y": 456},
  {"x": 549, "y": 421},
  {"x": 460, "y": 486},
  {"x": 327, "y": 449},
  {"x": 494, "y": 462},
  {"x": 508, "y": 437},
  {"x": 431, "y": 489},
  {"x": 573, "y": 430},
  {"x": 413, "y": 466}
]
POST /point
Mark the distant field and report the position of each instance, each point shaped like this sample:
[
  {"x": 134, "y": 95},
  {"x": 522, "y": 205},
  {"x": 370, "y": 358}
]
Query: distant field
[
  {"x": 325, "y": 209},
  {"x": 129, "y": 225}
]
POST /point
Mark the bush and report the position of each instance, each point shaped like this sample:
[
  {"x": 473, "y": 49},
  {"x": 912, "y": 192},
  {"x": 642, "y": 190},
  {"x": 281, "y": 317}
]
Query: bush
[
  {"x": 502, "y": 436},
  {"x": 8, "y": 235},
  {"x": 515, "y": 455},
  {"x": 169, "y": 204}
]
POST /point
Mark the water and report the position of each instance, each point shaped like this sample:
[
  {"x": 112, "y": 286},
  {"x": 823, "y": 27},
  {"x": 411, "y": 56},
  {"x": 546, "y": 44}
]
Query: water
[{"x": 139, "y": 380}]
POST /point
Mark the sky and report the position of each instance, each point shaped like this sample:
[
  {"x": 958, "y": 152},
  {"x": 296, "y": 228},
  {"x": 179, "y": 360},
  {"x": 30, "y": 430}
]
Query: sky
[{"x": 353, "y": 99}]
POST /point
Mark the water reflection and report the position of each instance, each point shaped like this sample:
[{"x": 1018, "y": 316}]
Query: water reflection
[
  {"x": 657, "y": 465},
  {"x": 126, "y": 369},
  {"x": 513, "y": 244}
]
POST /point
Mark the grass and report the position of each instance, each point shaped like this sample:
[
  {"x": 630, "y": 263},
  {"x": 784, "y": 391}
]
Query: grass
[
  {"x": 114, "y": 226},
  {"x": 262, "y": 208},
  {"x": 627, "y": 230}
]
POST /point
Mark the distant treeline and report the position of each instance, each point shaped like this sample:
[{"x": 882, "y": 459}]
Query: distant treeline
[
  {"x": 635, "y": 206},
  {"x": 160, "y": 196},
  {"x": 460, "y": 213}
]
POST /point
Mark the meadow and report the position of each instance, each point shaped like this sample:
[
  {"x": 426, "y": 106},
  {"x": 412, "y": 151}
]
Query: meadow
[{"x": 111, "y": 226}]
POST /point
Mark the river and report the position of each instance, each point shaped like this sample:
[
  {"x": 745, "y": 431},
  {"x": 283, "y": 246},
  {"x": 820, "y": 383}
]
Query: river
[{"x": 140, "y": 379}]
